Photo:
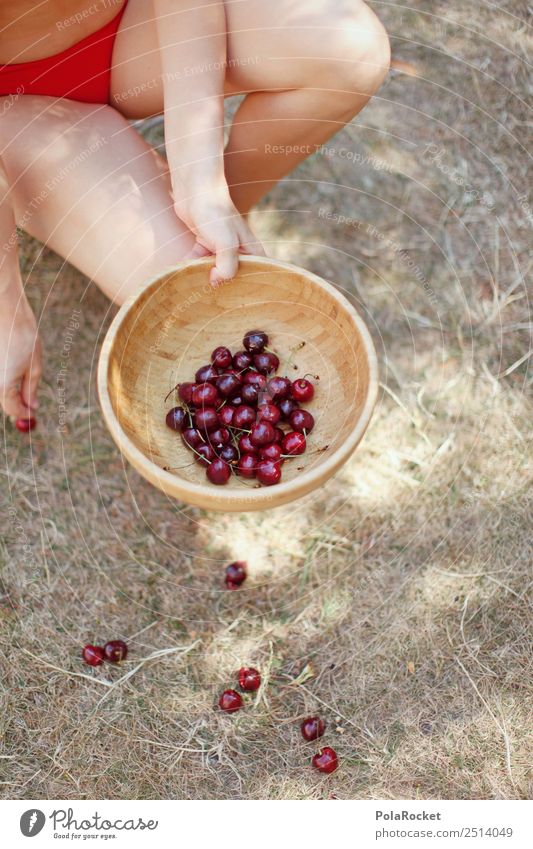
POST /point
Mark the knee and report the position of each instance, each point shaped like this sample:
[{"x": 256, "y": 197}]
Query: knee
[{"x": 358, "y": 52}]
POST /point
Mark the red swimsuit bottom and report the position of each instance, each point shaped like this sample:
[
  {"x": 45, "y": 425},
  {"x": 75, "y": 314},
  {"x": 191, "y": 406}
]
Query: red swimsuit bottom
[{"x": 82, "y": 72}]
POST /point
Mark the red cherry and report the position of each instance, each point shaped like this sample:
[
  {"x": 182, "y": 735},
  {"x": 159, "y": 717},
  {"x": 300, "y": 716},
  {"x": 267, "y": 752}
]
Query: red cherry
[
  {"x": 205, "y": 395},
  {"x": 206, "y": 374},
  {"x": 271, "y": 452},
  {"x": 228, "y": 385},
  {"x": 206, "y": 418},
  {"x": 301, "y": 420},
  {"x": 245, "y": 446},
  {"x": 262, "y": 433},
  {"x": 204, "y": 454},
  {"x": 25, "y": 425},
  {"x": 287, "y": 406},
  {"x": 93, "y": 655},
  {"x": 268, "y": 472},
  {"x": 255, "y": 340},
  {"x": 250, "y": 394},
  {"x": 254, "y": 378},
  {"x": 269, "y": 413},
  {"x": 229, "y": 454},
  {"x": 242, "y": 360},
  {"x": 115, "y": 651},
  {"x": 236, "y": 573},
  {"x": 249, "y": 679},
  {"x": 218, "y": 472},
  {"x": 279, "y": 388},
  {"x": 244, "y": 416},
  {"x": 221, "y": 357},
  {"x": 293, "y": 443},
  {"x": 266, "y": 363},
  {"x": 176, "y": 418},
  {"x": 230, "y": 701},
  {"x": 302, "y": 390},
  {"x": 225, "y": 415},
  {"x": 312, "y": 728},
  {"x": 192, "y": 437},
  {"x": 236, "y": 400},
  {"x": 247, "y": 465},
  {"x": 219, "y": 437},
  {"x": 185, "y": 392},
  {"x": 279, "y": 434},
  {"x": 325, "y": 760}
]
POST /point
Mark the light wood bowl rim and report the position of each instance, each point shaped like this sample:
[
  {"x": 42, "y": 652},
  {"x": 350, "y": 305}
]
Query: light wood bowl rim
[{"x": 225, "y": 498}]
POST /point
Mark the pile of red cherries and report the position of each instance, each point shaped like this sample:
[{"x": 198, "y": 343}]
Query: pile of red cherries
[{"x": 233, "y": 417}]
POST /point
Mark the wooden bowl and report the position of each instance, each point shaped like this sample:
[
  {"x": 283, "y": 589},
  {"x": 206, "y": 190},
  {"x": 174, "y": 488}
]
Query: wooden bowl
[{"x": 165, "y": 332}]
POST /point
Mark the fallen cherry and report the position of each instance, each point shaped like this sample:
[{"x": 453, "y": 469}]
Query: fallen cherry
[
  {"x": 255, "y": 340},
  {"x": 302, "y": 390},
  {"x": 221, "y": 357},
  {"x": 312, "y": 728},
  {"x": 236, "y": 573},
  {"x": 293, "y": 443},
  {"x": 249, "y": 679},
  {"x": 93, "y": 655},
  {"x": 25, "y": 425},
  {"x": 268, "y": 472},
  {"x": 230, "y": 701},
  {"x": 325, "y": 760},
  {"x": 176, "y": 418},
  {"x": 218, "y": 472},
  {"x": 115, "y": 651},
  {"x": 301, "y": 420}
]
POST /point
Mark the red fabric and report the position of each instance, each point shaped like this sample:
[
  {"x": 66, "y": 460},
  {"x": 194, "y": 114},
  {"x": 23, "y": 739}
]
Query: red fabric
[{"x": 82, "y": 72}]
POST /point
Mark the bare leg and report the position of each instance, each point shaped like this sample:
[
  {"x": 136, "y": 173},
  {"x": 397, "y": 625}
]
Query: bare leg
[
  {"x": 85, "y": 183},
  {"x": 306, "y": 72}
]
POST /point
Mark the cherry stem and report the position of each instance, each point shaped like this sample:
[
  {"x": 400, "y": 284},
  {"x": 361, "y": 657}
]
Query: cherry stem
[{"x": 171, "y": 391}]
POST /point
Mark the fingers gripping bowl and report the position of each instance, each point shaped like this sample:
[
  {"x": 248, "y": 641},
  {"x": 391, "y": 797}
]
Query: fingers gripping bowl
[{"x": 165, "y": 332}]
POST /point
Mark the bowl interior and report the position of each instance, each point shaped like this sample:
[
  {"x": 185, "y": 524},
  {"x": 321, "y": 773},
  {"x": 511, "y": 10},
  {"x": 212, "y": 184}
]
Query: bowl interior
[{"x": 175, "y": 323}]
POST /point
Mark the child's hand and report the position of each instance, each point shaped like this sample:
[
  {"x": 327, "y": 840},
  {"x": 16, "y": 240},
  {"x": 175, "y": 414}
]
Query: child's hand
[
  {"x": 20, "y": 362},
  {"x": 219, "y": 230}
]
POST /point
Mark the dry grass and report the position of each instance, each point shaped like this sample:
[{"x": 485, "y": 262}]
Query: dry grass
[{"x": 402, "y": 586}]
